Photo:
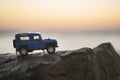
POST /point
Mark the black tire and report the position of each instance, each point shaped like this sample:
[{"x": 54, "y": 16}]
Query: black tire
[
  {"x": 14, "y": 43},
  {"x": 23, "y": 51},
  {"x": 51, "y": 49}
]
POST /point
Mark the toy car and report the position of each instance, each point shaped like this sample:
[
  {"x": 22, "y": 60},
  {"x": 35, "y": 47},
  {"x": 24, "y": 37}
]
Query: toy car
[{"x": 28, "y": 42}]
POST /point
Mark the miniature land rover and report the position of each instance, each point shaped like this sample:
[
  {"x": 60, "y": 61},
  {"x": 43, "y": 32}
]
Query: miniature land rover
[{"x": 28, "y": 42}]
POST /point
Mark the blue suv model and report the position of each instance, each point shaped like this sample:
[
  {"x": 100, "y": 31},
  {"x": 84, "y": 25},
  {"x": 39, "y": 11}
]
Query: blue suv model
[{"x": 27, "y": 42}]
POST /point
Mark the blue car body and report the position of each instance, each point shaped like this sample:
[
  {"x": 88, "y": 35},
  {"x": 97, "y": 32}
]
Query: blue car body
[{"x": 33, "y": 41}]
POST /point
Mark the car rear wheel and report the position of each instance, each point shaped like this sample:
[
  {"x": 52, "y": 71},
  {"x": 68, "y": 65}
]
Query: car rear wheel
[
  {"x": 23, "y": 51},
  {"x": 51, "y": 49}
]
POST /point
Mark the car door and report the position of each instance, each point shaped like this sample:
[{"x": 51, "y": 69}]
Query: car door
[{"x": 37, "y": 42}]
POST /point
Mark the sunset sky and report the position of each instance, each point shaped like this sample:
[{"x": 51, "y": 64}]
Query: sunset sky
[{"x": 59, "y": 15}]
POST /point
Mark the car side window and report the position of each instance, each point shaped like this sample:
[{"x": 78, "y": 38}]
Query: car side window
[
  {"x": 36, "y": 37},
  {"x": 24, "y": 38}
]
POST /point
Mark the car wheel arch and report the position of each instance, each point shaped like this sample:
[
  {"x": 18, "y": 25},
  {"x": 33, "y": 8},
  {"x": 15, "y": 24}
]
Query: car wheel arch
[
  {"x": 26, "y": 47},
  {"x": 49, "y": 44}
]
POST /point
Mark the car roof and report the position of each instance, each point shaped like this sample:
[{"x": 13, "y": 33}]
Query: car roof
[{"x": 28, "y": 33}]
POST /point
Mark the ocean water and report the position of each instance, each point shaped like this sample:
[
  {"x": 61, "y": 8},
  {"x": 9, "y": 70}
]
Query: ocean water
[{"x": 67, "y": 40}]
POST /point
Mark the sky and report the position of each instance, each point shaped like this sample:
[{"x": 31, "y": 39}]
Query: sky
[{"x": 59, "y": 15}]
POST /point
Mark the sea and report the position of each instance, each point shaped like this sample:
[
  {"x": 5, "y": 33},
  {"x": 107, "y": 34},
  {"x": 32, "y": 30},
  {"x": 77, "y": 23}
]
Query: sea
[{"x": 66, "y": 40}]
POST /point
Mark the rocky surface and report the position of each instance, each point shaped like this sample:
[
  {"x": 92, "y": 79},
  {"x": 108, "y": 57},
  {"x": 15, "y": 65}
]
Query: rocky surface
[{"x": 100, "y": 63}]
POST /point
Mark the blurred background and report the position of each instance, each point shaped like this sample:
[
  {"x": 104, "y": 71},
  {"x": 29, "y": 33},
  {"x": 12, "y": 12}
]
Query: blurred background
[{"x": 74, "y": 23}]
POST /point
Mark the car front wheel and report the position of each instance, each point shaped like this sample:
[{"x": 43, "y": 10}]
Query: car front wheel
[
  {"x": 51, "y": 49},
  {"x": 23, "y": 51}
]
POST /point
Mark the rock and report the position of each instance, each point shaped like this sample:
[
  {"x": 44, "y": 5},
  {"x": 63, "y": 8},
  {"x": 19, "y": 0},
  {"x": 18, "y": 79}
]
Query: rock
[{"x": 100, "y": 63}]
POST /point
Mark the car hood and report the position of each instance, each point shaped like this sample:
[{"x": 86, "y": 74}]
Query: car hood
[{"x": 49, "y": 40}]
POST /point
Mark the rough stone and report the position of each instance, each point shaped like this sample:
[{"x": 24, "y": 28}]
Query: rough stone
[{"x": 100, "y": 63}]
